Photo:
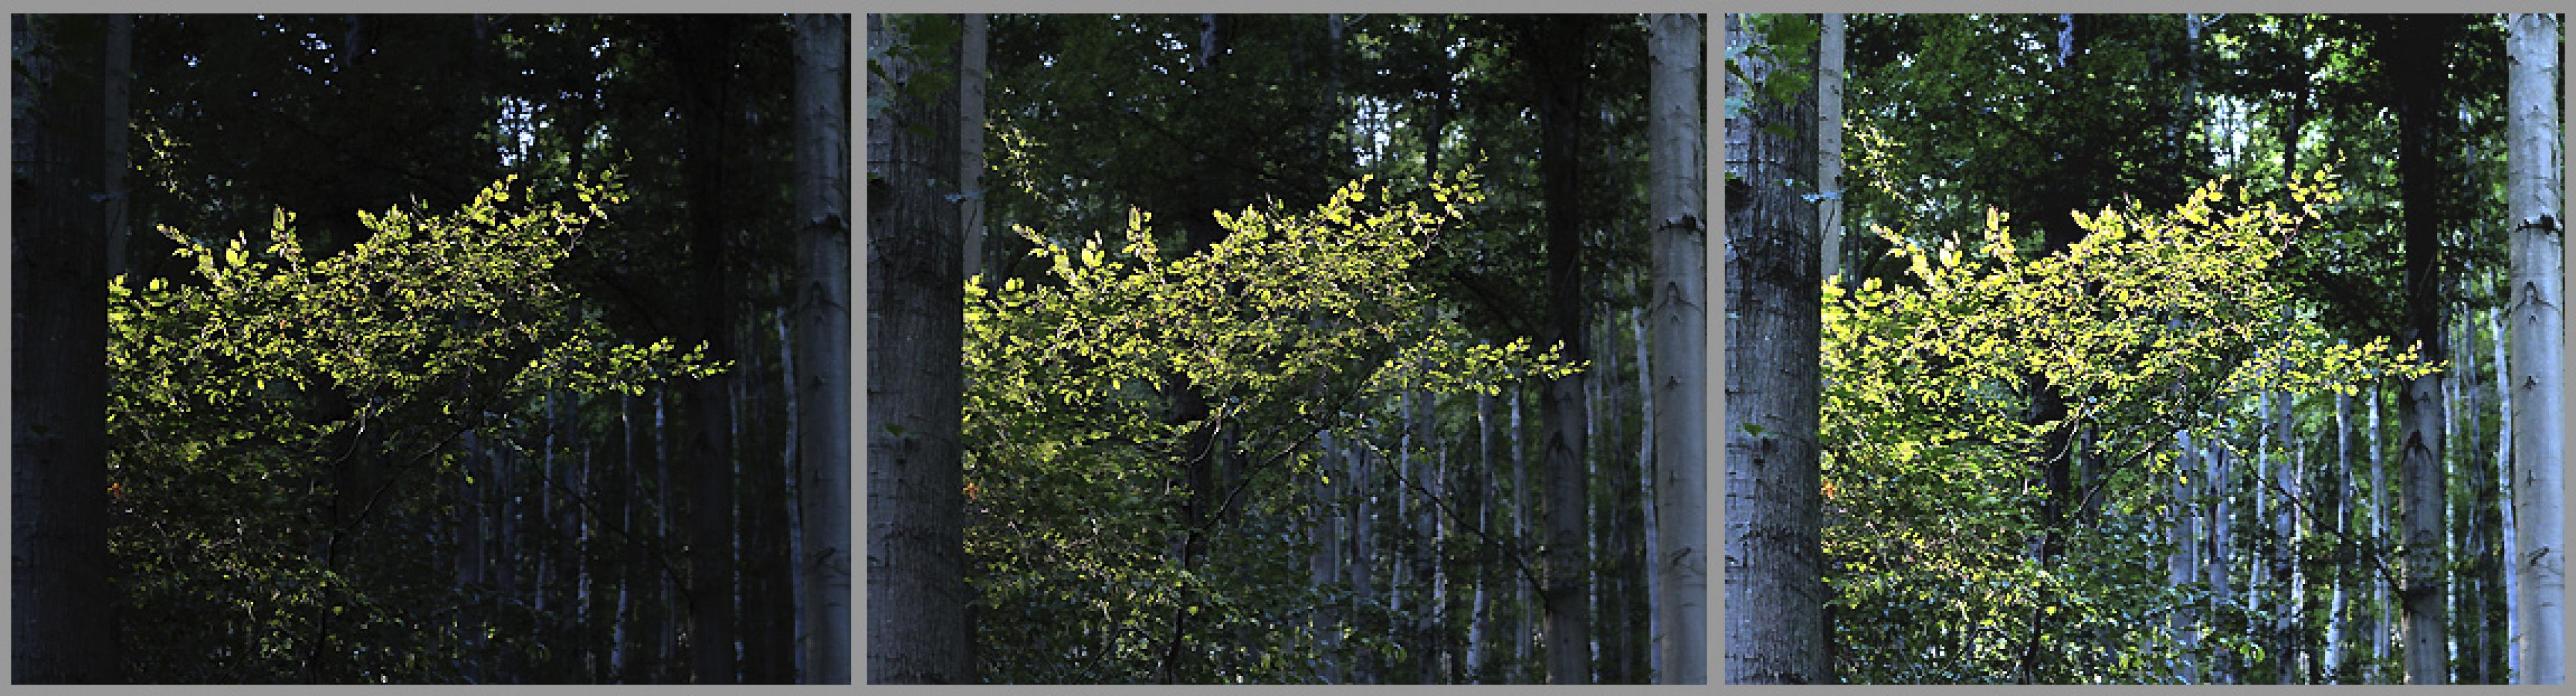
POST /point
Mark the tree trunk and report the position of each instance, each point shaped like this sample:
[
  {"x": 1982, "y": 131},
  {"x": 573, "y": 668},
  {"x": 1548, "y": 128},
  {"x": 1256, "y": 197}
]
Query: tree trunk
[
  {"x": 769, "y": 595},
  {"x": 820, "y": 397},
  {"x": 2182, "y": 567},
  {"x": 2384, "y": 611},
  {"x": 2507, "y": 545},
  {"x": 61, "y": 630},
  {"x": 1558, "y": 53},
  {"x": 1676, "y": 438},
  {"x": 2347, "y": 565},
  {"x": 971, "y": 76},
  {"x": 607, "y": 558},
  {"x": 2539, "y": 389},
  {"x": 704, "y": 52},
  {"x": 916, "y": 518},
  {"x": 2410, "y": 53},
  {"x": 1829, "y": 143},
  {"x": 1773, "y": 553}
]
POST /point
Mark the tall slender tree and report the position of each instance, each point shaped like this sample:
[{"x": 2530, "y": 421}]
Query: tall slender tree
[
  {"x": 59, "y": 592},
  {"x": 704, "y": 51},
  {"x": 916, "y": 514},
  {"x": 1774, "y": 573},
  {"x": 1677, "y": 402},
  {"x": 2410, "y": 48},
  {"x": 2539, "y": 320},
  {"x": 1559, "y": 55}
]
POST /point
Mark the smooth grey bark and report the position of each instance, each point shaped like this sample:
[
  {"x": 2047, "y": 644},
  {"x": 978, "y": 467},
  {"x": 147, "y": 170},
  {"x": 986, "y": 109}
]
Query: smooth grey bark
[
  {"x": 1829, "y": 142},
  {"x": 59, "y": 595},
  {"x": 1675, "y": 389},
  {"x": 2533, "y": 164},
  {"x": 916, "y": 510},
  {"x": 1774, "y": 560}
]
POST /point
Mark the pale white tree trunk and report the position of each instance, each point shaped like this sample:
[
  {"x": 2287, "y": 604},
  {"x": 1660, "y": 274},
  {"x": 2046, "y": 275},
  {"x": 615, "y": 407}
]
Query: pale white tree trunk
[
  {"x": 1676, "y": 405},
  {"x": 2533, "y": 162},
  {"x": 2504, "y": 488},
  {"x": 1829, "y": 143}
]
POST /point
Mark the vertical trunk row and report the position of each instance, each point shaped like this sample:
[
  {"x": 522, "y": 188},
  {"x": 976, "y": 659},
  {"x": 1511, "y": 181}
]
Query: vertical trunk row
[
  {"x": 916, "y": 584},
  {"x": 2347, "y": 565},
  {"x": 2220, "y": 473},
  {"x": 2538, "y": 305},
  {"x": 2511, "y": 622},
  {"x": 2385, "y": 610},
  {"x": 607, "y": 557},
  {"x": 1773, "y": 553},
  {"x": 1676, "y": 439},
  {"x": 2292, "y": 520},
  {"x": 2182, "y": 566},
  {"x": 1520, "y": 625}
]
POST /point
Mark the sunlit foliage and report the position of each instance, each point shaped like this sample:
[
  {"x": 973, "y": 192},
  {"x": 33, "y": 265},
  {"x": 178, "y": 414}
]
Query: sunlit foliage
[
  {"x": 238, "y": 398},
  {"x": 1071, "y": 462},
  {"x": 2155, "y": 322}
]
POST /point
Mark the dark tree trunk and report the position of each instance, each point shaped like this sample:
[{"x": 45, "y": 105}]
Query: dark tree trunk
[
  {"x": 61, "y": 608},
  {"x": 917, "y": 591},
  {"x": 1559, "y": 53},
  {"x": 2411, "y": 49},
  {"x": 768, "y": 599},
  {"x": 704, "y": 51}
]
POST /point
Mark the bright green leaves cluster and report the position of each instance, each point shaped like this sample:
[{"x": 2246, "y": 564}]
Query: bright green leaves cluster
[
  {"x": 1293, "y": 323},
  {"x": 238, "y": 397},
  {"x": 426, "y": 299},
  {"x": 1282, "y": 302},
  {"x": 2152, "y": 323}
]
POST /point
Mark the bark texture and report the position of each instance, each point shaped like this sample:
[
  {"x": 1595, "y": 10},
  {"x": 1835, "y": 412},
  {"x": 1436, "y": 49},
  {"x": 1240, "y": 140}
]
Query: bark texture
[
  {"x": 1677, "y": 404},
  {"x": 916, "y": 515},
  {"x": 2539, "y": 369},
  {"x": 1774, "y": 580}
]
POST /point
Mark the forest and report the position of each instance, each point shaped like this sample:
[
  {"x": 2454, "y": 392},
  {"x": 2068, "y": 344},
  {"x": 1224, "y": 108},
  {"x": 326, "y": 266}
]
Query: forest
[
  {"x": 2144, "y": 349},
  {"x": 431, "y": 349},
  {"x": 1286, "y": 349}
]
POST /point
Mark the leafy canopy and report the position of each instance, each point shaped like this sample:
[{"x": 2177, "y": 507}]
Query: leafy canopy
[
  {"x": 1291, "y": 325},
  {"x": 236, "y": 399},
  {"x": 2154, "y": 322}
]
